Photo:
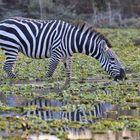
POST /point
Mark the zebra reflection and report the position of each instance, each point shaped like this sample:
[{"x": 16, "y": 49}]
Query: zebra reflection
[{"x": 79, "y": 114}]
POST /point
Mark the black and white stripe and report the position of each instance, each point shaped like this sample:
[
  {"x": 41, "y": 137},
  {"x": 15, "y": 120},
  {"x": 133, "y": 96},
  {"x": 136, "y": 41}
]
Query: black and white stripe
[
  {"x": 55, "y": 39},
  {"x": 78, "y": 114}
]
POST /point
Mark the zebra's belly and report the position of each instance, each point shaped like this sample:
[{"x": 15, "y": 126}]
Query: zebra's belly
[
  {"x": 36, "y": 54},
  {"x": 38, "y": 57}
]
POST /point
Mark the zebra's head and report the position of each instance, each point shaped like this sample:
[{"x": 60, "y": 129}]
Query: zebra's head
[{"x": 110, "y": 63}]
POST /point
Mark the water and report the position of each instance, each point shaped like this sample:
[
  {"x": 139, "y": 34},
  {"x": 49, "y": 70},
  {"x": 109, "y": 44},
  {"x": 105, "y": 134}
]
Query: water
[
  {"x": 10, "y": 100},
  {"x": 78, "y": 114}
]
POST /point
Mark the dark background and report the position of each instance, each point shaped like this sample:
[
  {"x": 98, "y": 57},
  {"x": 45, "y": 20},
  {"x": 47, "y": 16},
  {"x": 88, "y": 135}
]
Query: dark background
[{"x": 99, "y": 13}]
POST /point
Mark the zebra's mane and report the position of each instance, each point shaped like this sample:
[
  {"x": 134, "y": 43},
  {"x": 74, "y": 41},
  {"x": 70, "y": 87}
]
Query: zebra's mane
[
  {"x": 83, "y": 26},
  {"x": 28, "y": 19}
]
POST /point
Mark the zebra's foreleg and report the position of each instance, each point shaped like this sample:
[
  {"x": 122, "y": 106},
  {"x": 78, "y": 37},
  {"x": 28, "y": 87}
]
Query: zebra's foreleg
[
  {"x": 67, "y": 66},
  {"x": 52, "y": 66}
]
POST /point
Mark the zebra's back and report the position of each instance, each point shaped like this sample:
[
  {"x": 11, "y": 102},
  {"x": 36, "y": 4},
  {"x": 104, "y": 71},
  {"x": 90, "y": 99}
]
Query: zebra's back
[{"x": 32, "y": 37}]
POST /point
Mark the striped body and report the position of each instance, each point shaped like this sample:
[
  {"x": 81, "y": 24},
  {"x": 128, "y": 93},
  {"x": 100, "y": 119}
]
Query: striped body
[
  {"x": 33, "y": 37},
  {"x": 55, "y": 39}
]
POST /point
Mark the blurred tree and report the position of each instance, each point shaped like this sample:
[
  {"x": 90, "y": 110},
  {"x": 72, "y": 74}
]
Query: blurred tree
[{"x": 98, "y": 12}]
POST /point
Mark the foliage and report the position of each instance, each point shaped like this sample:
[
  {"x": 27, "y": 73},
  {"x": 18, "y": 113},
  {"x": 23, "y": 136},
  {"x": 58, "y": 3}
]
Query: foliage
[{"x": 90, "y": 85}]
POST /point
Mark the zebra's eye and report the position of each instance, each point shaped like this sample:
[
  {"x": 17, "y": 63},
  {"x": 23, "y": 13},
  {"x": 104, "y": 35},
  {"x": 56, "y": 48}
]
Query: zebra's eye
[{"x": 112, "y": 59}]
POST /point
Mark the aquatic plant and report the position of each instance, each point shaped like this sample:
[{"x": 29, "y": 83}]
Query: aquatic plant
[{"x": 89, "y": 86}]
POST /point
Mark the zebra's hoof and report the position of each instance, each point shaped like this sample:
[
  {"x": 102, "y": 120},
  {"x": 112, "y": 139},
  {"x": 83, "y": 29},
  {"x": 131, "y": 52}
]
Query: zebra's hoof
[
  {"x": 13, "y": 76},
  {"x": 66, "y": 85},
  {"x": 49, "y": 79}
]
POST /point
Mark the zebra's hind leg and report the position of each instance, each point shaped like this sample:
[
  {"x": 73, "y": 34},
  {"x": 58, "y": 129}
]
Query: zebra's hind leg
[
  {"x": 67, "y": 66},
  {"x": 8, "y": 69}
]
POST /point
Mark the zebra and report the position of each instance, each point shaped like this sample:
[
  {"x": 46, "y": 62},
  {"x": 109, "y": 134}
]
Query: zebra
[{"x": 57, "y": 40}]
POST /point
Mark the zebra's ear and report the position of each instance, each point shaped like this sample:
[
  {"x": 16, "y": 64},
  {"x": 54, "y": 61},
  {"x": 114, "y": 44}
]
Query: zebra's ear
[{"x": 104, "y": 45}]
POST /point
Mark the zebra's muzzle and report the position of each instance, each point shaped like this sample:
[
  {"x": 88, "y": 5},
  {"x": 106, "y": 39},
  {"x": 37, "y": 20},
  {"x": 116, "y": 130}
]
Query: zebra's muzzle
[{"x": 121, "y": 76}]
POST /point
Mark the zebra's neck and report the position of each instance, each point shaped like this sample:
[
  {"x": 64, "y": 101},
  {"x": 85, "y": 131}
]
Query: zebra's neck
[{"x": 88, "y": 42}]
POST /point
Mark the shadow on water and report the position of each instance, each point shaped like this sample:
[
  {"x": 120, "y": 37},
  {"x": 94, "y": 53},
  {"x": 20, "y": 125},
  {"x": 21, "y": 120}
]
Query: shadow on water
[{"x": 78, "y": 114}]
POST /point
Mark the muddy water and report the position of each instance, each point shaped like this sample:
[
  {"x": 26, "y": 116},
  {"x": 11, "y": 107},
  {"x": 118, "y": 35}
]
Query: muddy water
[{"x": 77, "y": 114}]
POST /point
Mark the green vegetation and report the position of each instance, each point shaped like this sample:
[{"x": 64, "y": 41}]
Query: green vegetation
[{"x": 88, "y": 83}]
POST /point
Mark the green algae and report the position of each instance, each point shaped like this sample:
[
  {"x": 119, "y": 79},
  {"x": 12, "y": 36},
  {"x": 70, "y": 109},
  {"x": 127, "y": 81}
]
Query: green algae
[{"x": 87, "y": 88}]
